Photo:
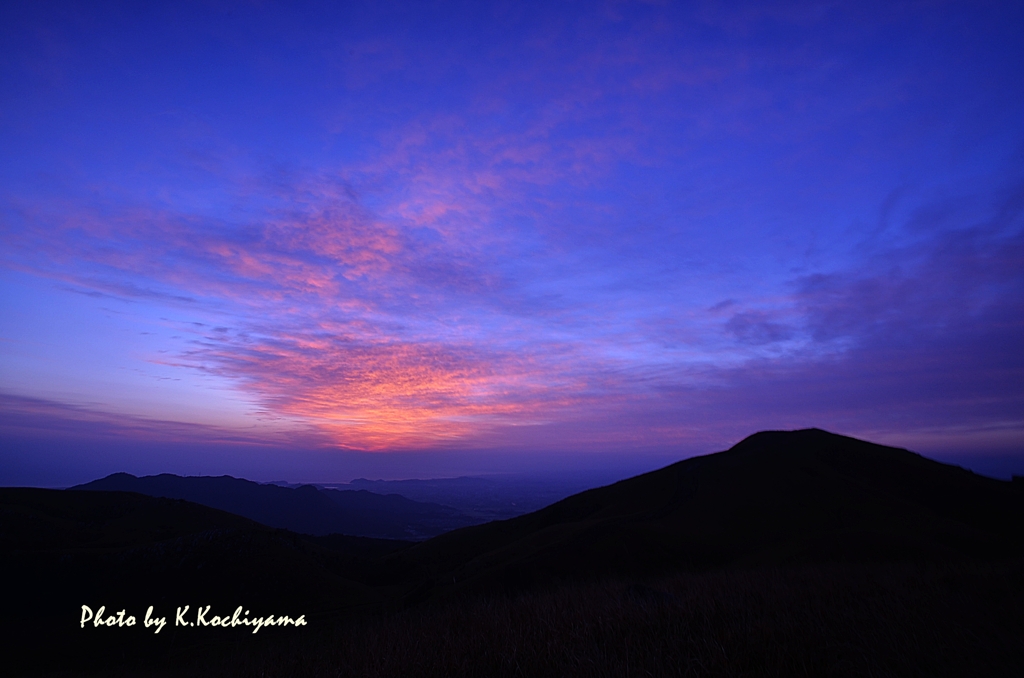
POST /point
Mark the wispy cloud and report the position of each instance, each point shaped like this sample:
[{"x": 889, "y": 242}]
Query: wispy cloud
[
  {"x": 383, "y": 337},
  {"x": 602, "y": 228}
]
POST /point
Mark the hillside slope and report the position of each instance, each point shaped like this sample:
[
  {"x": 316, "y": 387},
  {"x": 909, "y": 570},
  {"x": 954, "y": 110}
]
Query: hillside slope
[
  {"x": 62, "y": 549},
  {"x": 775, "y": 497},
  {"x": 856, "y": 537}
]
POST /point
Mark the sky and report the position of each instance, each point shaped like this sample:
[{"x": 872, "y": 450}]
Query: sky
[{"x": 318, "y": 241}]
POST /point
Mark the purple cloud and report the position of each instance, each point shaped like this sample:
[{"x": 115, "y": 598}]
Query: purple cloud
[{"x": 637, "y": 227}]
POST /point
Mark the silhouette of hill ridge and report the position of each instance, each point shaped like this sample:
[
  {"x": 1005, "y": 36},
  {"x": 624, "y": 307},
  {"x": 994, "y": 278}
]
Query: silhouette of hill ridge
[
  {"x": 306, "y": 509},
  {"x": 60, "y": 549},
  {"x": 42, "y": 520},
  {"x": 801, "y": 503},
  {"x": 775, "y": 497}
]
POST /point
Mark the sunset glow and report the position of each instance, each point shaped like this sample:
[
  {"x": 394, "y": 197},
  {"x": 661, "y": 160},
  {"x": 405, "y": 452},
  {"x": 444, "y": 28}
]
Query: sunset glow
[{"x": 610, "y": 228}]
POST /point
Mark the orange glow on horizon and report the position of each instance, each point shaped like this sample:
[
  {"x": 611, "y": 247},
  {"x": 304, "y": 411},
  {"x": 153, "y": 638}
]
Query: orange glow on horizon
[{"x": 401, "y": 396}]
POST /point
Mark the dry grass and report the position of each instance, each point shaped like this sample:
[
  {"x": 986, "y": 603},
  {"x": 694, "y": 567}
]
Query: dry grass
[{"x": 849, "y": 620}]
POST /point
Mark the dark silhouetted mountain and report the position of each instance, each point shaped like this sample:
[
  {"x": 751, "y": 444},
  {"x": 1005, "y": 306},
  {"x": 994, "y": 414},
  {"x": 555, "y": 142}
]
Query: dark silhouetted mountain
[
  {"x": 775, "y": 497},
  {"x": 61, "y": 549},
  {"x": 44, "y": 520},
  {"x": 121, "y": 541},
  {"x": 749, "y": 550},
  {"x": 306, "y": 509}
]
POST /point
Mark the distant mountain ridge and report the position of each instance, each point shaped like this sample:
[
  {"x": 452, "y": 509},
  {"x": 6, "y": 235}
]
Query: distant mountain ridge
[
  {"x": 306, "y": 509},
  {"x": 485, "y": 498}
]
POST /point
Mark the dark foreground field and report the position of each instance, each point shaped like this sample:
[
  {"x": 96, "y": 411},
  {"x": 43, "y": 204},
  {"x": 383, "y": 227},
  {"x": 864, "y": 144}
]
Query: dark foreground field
[
  {"x": 891, "y": 620},
  {"x": 792, "y": 554}
]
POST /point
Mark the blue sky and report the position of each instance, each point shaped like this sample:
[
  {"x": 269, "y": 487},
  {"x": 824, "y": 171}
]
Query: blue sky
[{"x": 294, "y": 239}]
